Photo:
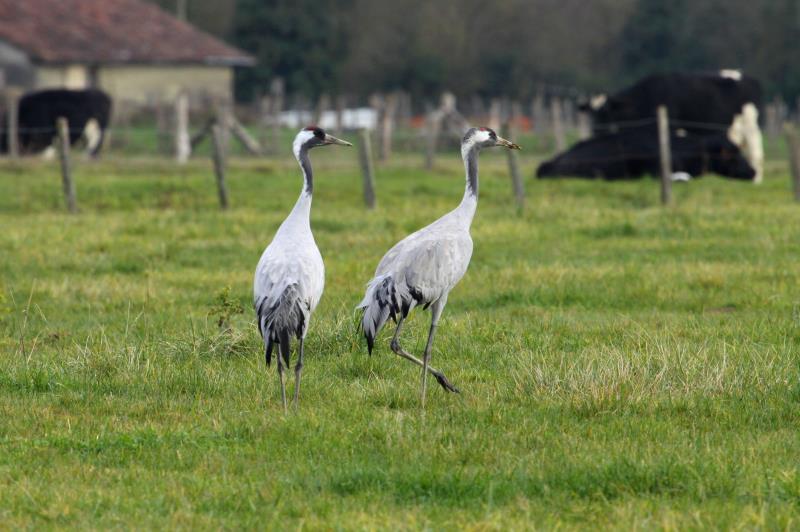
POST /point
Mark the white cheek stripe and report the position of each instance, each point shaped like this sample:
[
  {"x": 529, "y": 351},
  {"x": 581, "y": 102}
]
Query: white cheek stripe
[{"x": 299, "y": 140}]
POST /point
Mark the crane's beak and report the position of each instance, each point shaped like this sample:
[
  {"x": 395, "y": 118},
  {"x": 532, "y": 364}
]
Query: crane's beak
[
  {"x": 330, "y": 139},
  {"x": 507, "y": 143}
]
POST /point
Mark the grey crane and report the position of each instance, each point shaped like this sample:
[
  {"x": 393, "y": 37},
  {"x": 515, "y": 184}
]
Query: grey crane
[
  {"x": 290, "y": 276},
  {"x": 422, "y": 268}
]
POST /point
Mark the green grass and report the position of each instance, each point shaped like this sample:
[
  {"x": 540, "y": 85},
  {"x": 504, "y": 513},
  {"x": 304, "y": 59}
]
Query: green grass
[{"x": 622, "y": 365}]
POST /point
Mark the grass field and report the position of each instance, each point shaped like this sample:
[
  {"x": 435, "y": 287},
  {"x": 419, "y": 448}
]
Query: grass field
[{"x": 622, "y": 365}]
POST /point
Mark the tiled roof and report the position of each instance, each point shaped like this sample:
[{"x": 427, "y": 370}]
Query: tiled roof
[{"x": 108, "y": 31}]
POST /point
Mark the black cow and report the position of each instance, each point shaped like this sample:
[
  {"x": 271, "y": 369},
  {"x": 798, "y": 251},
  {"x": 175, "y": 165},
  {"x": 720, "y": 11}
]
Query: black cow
[
  {"x": 635, "y": 153},
  {"x": 700, "y": 104},
  {"x": 39, "y": 111}
]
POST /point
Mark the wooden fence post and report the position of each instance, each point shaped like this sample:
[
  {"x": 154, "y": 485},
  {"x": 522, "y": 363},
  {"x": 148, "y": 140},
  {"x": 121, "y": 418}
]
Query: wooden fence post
[
  {"x": 263, "y": 109},
  {"x": 517, "y": 183},
  {"x": 12, "y": 122},
  {"x": 219, "y": 155},
  {"x": 163, "y": 135},
  {"x": 243, "y": 136},
  {"x": 405, "y": 110},
  {"x": 377, "y": 103},
  {"x": 367, "y": 169},
  {"x": 771, "y": 120},
  {"x": 793, "y": 143},
  {"x": 183, "y": 146},
  {"x": 797, "y": 110},
  {"x": 66, "y": 171},
  {"x": 340, "y": 106},
  {"x": 277, "y": 93},
  {"x": 665, "y": 155},
  {"x": 558, "y": 124},
  {"x": 387, "y": 125},
  {"x": 538, "y": 114},
  {"x": 495, "y": 111},
  {"x": 783, "y": 112},
  {"x": 224, "y": 113},
  {"x": 584, "y": 126},
  {"x": 568, "y": 115},
  {"x": 117, "y": 136},
  {"x": 434, "y": 125}
]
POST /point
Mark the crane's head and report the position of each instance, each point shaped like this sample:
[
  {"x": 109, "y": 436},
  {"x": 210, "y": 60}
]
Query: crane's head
[
  {"x": 484, "y": 137},
  {"x": 312, "y": 136}
]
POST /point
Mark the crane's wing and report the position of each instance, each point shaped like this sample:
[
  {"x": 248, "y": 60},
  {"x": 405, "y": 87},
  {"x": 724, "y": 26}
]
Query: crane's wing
[
  {"x": 402, "y": 249},
  {"x": 433, "y": 266},
  {"x": 289, "y": 281}
]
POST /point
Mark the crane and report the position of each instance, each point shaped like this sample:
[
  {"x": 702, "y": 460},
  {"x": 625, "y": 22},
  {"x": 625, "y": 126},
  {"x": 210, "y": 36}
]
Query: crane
[
  {"x": 290, "y": 275},
  {"x": 422, "y": 268}
]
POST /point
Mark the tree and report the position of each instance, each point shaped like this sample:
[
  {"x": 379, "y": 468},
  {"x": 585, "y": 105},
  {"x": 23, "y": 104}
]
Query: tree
[
  {"x": 499, "y": 48},
  {"x": 302, "y": 41},
  {"x": 654, "y": 39},
  {"x": 212, "y": 16}
]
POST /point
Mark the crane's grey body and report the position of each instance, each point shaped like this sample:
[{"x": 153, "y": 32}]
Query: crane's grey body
[
  {"x": 421, "y": 269},
  {"x": 289, "y": 279},
  {"x": 424, "y": 267},
  {"x": 290, "y": 275}
]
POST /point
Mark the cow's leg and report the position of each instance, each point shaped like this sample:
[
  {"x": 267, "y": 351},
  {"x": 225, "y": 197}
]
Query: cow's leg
[
  {"x": 93, "y": 135},
  {"x": 49, "y": 153}
]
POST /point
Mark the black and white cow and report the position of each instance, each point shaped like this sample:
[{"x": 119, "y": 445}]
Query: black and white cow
[
  {"x": 87, "y": 112},
  {"x": 697, "y": 103},
  {"x": 634, "y": 153}
]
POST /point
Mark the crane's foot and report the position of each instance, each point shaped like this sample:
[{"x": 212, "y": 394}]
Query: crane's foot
[{"x": 441, "y": 379}]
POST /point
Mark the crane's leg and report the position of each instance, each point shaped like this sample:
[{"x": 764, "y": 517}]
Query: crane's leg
[
  {"x": 298, "y": 370},
  {"x": 398, "y": 350},
  {"x": 283, "y": 383},
  {"x": 436, "y": 312},
  {"x": 283, "y": 358}
]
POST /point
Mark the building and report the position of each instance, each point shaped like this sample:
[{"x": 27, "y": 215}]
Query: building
[{"x": 131, "y": 49}]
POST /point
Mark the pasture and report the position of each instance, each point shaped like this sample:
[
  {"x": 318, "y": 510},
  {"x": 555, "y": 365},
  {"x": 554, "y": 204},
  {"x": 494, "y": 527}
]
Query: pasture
[{"x": 622, "y": 365}]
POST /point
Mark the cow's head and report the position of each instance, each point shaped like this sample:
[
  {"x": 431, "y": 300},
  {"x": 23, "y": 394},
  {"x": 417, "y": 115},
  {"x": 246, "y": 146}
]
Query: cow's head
[
  {"x": 615, "y": 110},
  {"x": 593, "y": 104},
  {"x": 724, "y": 158}
]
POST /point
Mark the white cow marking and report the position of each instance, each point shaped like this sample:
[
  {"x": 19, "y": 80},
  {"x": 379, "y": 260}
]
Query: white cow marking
[
  {"x": 598, "y": 101},
  {"x": 681, "y": 177},
  {"x": 745, "y": 133},
  {"x": 49, "y": 153},
  {"x": 730, "y": 73},
  {"x": 92, "y": 135}
]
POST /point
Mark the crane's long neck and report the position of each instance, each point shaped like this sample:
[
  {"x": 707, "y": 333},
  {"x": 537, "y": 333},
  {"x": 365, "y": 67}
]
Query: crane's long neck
[
  {"x": 469, "y": 152},
  {"x": 302, "y": 209},
  {"x": 305, "y": 166}
]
